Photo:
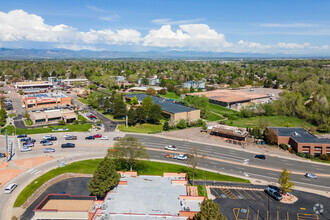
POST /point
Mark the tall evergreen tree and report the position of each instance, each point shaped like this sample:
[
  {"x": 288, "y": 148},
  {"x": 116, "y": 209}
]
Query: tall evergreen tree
[
  {"x": 119, "y": 108},
  {"x": 132, "y": 117},
  {"x": 104, "y": 179},
  {"x": 146, "y": 104},
  {"x": 155, "y": 114}
]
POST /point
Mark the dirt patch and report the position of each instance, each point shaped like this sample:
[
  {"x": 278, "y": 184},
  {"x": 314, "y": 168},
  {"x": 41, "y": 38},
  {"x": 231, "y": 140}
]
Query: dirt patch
[
  {"x": 3, "y": 164},
  {"x": 289, "y": 199},
  {"x": 8, "y": 174},
  {"x": 32, "y": 162}
]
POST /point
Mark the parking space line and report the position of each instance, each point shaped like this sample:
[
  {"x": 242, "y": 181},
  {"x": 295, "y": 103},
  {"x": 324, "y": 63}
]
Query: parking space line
[
  {"x": 287, "y": 216},
  {"x": 258, "y": 215},
  {"x": 257, "y": 195},
  {"x": 264, "y": 194},
  {"x": 240, "y": 194},
  {"x": 216, "y": 193},
  {"x": 249, "y": 195},
  {"x": 304, "y": 216},
  {"x": 229, "y": 193},
  {"x": 277, "y": 216}
]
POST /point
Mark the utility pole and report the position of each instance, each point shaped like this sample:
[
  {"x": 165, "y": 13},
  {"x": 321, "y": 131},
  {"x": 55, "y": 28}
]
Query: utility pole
[
  {"x": 6, "y": 147},
  {"x": 126, "y": 121}
]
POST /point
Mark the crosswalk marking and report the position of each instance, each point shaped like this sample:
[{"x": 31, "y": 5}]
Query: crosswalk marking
[{"x": 33, "y": 171}]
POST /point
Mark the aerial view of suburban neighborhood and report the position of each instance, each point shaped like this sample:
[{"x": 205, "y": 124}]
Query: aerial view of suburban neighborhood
[{"x": 164, "y": 109}]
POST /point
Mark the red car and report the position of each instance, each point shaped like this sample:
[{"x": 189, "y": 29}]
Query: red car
[
  {"x": 91, "y": 117},
  {"x": 97, "y": 135}
]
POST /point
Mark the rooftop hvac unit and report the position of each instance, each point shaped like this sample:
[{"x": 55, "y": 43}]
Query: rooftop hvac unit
[
  {"x": 104, "y": 206},
  {"x": 106, "y": 217}
]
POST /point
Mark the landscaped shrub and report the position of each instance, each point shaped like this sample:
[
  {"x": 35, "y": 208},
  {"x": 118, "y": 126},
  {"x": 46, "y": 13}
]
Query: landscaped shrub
[
  {"x": 284, "y": 146},
  {"x": 325, "y": 157},
  {"x": 308, "y": 156},
  {"x": 182, "y": 124},
  {"x": 301, "y": 154}
]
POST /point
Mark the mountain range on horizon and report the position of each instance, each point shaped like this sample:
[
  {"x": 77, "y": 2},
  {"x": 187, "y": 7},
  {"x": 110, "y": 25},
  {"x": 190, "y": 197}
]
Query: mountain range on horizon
[{"x": 60, "y": 54}]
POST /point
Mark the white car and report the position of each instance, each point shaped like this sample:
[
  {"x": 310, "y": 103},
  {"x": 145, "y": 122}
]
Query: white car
[
  {"x": 310, "y": 175},
  {"x": 46, "y": 137},
  {"x": 10, "y": 188},
  {"x": 181, "y": 157},
  {"x": 171, "y": 147},
  {"x": 104, "y": 138},
  {"x": 68, "y": 135},
  {"x": 25, "y": 149}
]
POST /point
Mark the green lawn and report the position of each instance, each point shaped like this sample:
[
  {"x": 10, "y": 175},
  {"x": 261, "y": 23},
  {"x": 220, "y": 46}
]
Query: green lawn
[
  {"x": 145, "y": 168},
  {"x": 12, "y": 115},
  {"x": 49, "y": 129},
  {"x": 214, "y": 117},
  {"x": 28, "y": 122},
  {"x": 81, "y": 118},
  {"x": 171, "y": 95},
  {"x": 276, "y": 121},
  {"x": 108, "y": 115},
  {"x": 202, "y": 191},
  {"x": 109, "y": 92},
  {"x": 83, "y": 100},
  {"x": 143, "y": 128},
  {"x": 222, "y": 110}
]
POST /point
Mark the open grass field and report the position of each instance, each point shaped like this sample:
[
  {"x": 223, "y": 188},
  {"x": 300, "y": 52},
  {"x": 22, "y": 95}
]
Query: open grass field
[
  {"x": 222, "y": 110},
  {"x": 49, "y": 129},
  {"x": 145, "y": 168},
  {"x": 142, "y": 128},
  {"x": 214, "y": 117},
  {"x": 274, "y": 121},
  {"x": 171, "y": 95}
]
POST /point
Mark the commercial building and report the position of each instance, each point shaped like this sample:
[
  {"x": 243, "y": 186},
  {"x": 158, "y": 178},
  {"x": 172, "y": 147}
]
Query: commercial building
[
  {"x": 33, "y": 86},
  {"x": 172, "y": 110},
  {"x": 301, "y": 140},
  {"x": 71, "y": 81},
  {"x": 228, "y": 132},
  {"x": 145, "y": 88},
  {"x": 194, "y": 84},
  {"x": 233, "y": 98},
  {"x": 65, "y": 206},
  {"x": 135, "y": 197},
  {"x": 53, "y": 116},
  {"x": 151, "y": 81},
  {"x": 46, "y": 100}
]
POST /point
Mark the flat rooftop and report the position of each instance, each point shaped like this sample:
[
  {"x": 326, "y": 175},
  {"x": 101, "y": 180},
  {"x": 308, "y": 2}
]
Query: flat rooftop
[
  {"x": 299, "y": 134},
  {"x": 65, "y": 202},
  {"x": 146, "y": 195},
  {"x": 144, "y": 88},
  {"x": 230, "y": 96},
  {"x": 47, "y": 95},
  {"x": 53, "y": 113},
  {"x": 33, "y": 83},
  {"x": 167, "y": 105}
]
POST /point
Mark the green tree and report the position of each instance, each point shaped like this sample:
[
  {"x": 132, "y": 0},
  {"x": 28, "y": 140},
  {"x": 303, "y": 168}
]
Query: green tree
[
  {"x": 166, "y": 126},
  {"x": 284, "y": 180},
  {"x": 162, "y": 83},
  {"x": 134, "y": 101},
  {"x": 146, "y": 104},
  {"x": 271, "y": 136},
  {"x": 119, "y": 108},
  {"x": 151, "y": 91},
  {"x": 170, "y": 87},
  {"x": 193, "y": 160},
  {"x": 182, "y": 124},
  {"x": 155, "y": 114},
  {"x": 128, "y": 149},
  {"x": 209, "y": 211},
  {"x": 140, "y": 114},
  {"x": 104, "y": 179},
  {"x": 132, "y": 117},
  {"x": 145, "y": 81},
  {"x": 192, "y": 89},
  {"x": 26, "y": 114}
]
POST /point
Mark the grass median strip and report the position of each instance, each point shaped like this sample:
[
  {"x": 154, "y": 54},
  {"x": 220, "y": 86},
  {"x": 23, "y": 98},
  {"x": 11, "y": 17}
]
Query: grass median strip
[{"x": 144, "y": 168}]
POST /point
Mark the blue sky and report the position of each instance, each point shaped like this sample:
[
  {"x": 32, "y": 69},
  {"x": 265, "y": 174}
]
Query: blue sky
[{"x": 296, "y": 27}]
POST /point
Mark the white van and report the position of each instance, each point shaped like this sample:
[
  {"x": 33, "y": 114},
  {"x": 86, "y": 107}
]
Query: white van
[
  {"x": 23, "y": 106},
  {"x": 10, "y": 188}
]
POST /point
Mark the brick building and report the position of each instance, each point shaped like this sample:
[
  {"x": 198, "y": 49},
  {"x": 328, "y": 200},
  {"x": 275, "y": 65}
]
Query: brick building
[
  {"x": 46, "y": 100},
  {"x": 302, "y": 141}
]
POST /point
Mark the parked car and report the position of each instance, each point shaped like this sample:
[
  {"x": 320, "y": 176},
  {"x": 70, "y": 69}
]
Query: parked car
[
  {"x": 25, "y": 139},
  {"x": 68, "y": 145},
  {"x": 28, "y": 144},
  {"x": 71, "y": 137},
  {"x": 97, "y": 135},
  {"x": 170, "y": 147},
  {"x": 181, "y": 157},
  {"x": 47, "y": 136},
  {"x": 49, "y": 150},
  {"x": 51, "y": 138},
  {"x": 2, "y": 155},
  {"x": 88, "y": 114},
  {"x": 30, "y": 141},
  {"x": 260, "y": 156},
  {"x": 25, "y": 149},
  {"x": 44, "y": 141},
  {"x": 22, "y": 136},
  {"x": 89, "y": 138},
  {"x": 10, "y": 188},
  {"x": 273, "y": 193},
  {"x": 48, "y": 143},
  {"x": 116, "y": 138},
  {"x": 104, "y": 138},
  {"x": 310, "y": 175},
  {"x": 275, "y": 188},
  {"x": 92, "y": 117}
]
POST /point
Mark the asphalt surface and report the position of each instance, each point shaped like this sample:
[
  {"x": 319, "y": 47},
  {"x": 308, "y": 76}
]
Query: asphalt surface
[
  {"x": 243, "y": 163},
  {"x": 73, "y": 186},
  {"x": 255, "y": 204},
  {"x": 220, "y": 159}
]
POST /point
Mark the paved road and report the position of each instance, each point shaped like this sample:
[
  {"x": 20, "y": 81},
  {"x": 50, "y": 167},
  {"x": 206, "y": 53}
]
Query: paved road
[
  {"x": 244, "y": 164},
  {"x": 220, "y": 159}
]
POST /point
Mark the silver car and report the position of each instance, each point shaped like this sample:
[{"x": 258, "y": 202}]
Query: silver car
[
  {"x": 47, "y": 143},
  {"x": 25, "y": 149}
]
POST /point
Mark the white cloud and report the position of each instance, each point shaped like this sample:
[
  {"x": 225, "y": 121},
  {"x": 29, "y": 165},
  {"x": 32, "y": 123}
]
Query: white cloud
[
  {"x": 20, "y": 26},
  {"x": 190, "y": 36},
  {"x": 165, "y": 21},
  {"x": 292, "y": 25}
]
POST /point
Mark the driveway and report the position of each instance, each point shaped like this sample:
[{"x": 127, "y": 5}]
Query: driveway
[{"x": 74, "y": 186}]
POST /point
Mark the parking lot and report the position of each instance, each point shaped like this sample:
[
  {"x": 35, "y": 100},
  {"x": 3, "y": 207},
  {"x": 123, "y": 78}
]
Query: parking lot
[{"x": 254, "y": 203}]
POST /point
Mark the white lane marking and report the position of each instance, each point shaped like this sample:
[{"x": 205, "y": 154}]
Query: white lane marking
[
  {"x": 246, "y": 174},
  {"x": 290, "y": 164},
  {"x": 319, "y": 169},
  {"x": 273, "y": 174},
  {"x": 30, "y": 170},
  {"x": 240, "y": 168},
  {"x": 38, "y": 172}
]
